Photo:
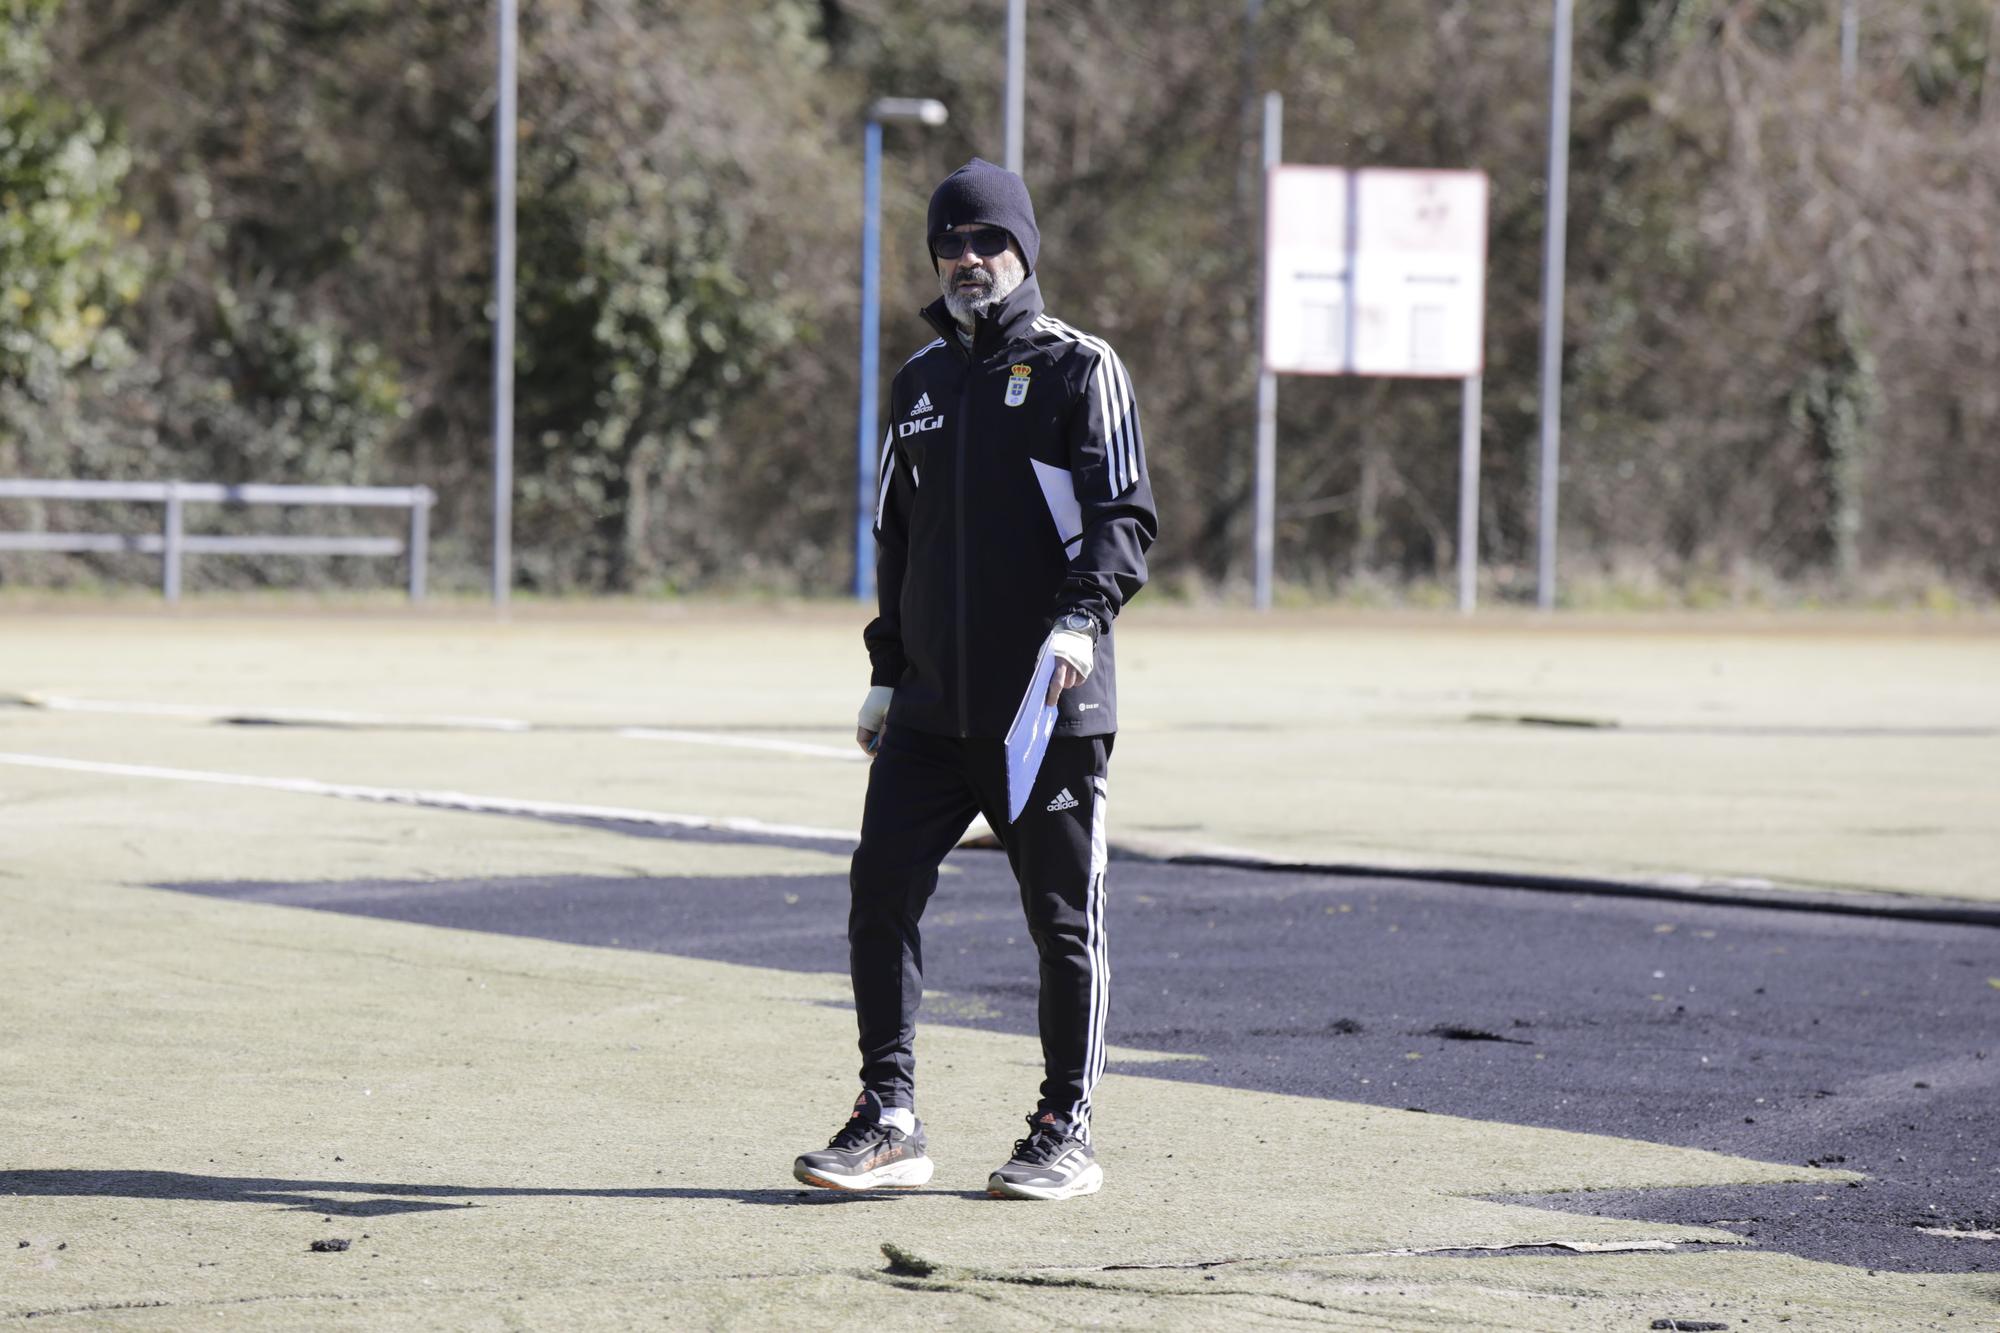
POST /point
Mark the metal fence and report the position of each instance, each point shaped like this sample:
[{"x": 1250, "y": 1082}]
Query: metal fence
[{"x": 173, "y": 543}]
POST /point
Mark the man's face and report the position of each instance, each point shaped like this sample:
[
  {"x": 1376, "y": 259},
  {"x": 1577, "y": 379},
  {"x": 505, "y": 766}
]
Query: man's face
[{"x": 974, "y": 283}]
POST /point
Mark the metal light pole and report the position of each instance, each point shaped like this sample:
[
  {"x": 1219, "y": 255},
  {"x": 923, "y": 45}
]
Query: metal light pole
[
  {"x": 1850, "y": 47},
  {"x": 923, "y": 111},
  {"x": 1552, "y": 304},
  {"x": 503, "y": 314},
  {"x": 1264, "y": 525},
  {"x": 1017, "y": 54}
]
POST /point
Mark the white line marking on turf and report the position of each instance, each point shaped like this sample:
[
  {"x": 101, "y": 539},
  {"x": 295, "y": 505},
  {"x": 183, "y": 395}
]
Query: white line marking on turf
[
  {"x": 438, "y": 800},
  {"x": 744, "y": 742},
  {"x": 63, "y": 703}
]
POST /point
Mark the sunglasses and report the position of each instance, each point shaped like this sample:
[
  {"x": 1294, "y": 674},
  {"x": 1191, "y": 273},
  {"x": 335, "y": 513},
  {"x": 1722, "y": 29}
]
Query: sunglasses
[{"x": 986, "y": 243}]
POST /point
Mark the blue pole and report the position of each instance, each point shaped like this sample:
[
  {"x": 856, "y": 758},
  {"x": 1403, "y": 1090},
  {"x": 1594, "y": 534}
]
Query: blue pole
[{"x": 871, "y": 300}]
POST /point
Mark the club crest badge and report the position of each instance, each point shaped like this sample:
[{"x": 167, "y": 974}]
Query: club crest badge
[{"x": 1017, "y": 385}]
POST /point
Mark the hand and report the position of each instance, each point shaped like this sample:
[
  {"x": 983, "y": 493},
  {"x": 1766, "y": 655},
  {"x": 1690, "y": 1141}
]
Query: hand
[
  {"x": 869, "y": 741},
  {"x": 1061, "y": 679},
  {"x": 1075, "y": 653}
]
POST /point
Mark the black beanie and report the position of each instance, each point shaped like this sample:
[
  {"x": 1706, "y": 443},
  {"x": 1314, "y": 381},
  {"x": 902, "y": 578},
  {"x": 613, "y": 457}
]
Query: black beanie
[{"x": 990, "y": 196}]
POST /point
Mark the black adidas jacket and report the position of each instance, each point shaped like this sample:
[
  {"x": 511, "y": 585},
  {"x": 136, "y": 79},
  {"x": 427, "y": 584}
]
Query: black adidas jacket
[{"x": 1013, "y": 489}]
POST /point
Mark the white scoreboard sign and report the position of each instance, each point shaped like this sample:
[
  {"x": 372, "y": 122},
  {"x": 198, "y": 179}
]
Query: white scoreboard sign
[{"x": 1375, "y": 271}]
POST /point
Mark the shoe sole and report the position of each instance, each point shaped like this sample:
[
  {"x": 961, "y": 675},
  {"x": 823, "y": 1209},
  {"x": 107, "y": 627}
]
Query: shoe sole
[
  {"x": 904, "y": 1175},
  {"x": 1089, "y": 1181}
]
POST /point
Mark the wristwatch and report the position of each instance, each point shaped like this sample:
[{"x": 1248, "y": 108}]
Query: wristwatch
[{"x": 1079, "y": 623}]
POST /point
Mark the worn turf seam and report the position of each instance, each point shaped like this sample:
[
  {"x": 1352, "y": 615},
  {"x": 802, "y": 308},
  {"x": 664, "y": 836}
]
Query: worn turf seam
[
  {"x": 1797, "y": 899},
  {"x": 943, "y": 1277}
]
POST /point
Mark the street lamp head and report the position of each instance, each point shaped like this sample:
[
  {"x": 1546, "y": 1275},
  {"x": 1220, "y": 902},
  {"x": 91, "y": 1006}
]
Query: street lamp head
[{"x": 923, "y": 110}]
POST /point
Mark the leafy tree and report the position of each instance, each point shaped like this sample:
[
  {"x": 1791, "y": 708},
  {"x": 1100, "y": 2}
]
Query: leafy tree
[
  {"x": 64, "y": 267},
  {"x": 253, "y": 239}
]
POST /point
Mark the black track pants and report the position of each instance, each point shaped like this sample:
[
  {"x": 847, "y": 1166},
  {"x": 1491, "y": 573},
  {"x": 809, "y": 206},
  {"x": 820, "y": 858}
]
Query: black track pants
[{"x": 923, "y": 791}]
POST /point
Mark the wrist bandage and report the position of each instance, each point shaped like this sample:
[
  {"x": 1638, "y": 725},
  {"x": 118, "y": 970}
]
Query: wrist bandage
[
  {"x": 1076, "y": 649},
  {"x": 875, "y": 708}
]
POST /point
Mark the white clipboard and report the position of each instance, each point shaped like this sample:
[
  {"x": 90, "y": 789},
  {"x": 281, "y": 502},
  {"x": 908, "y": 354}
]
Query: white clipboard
[{"x": 1028, "y": 737}]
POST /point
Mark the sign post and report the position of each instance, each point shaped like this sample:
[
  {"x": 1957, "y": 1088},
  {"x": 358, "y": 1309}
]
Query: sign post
[
  {"x": 1375, "y": 271},
  {"x": 1468, "y": 495}
]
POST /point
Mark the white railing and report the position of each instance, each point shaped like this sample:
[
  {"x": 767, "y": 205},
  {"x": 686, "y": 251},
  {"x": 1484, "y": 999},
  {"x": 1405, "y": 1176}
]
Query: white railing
[{"x": 172, "y": 543}]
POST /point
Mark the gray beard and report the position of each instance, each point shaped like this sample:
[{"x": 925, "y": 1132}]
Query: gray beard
[{"x": 968, "y": 307}]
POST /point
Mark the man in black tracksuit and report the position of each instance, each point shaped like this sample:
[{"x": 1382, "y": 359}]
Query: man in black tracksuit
[{"x": 1014, "y": 511}]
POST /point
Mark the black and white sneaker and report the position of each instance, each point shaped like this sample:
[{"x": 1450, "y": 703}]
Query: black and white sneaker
[
  {"x": 867, "y": 1154},
  {"x": 1051, "y": 1163}
]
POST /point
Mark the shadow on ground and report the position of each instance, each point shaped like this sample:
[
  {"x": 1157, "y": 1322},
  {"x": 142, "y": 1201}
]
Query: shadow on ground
[{"x": 308, "y": 1196}]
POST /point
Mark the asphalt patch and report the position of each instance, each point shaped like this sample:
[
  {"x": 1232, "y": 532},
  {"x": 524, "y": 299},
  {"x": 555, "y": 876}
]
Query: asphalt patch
[{"x": 1778, "y": 1035}]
